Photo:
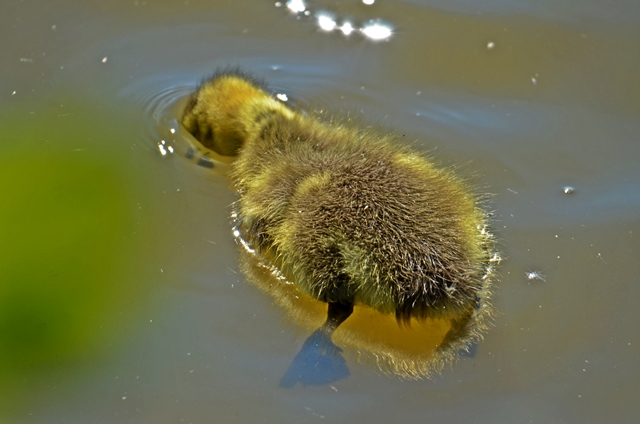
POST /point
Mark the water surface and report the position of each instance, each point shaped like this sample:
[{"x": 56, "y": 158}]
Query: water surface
[{"x": 124, "y": 301}]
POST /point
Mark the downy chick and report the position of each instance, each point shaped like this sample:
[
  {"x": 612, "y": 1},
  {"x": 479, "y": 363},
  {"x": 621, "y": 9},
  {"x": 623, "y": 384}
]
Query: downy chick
[{"x": 348, "y": 214}]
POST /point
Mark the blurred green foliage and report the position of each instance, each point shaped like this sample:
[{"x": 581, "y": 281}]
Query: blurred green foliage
[{"x": 69, "y": 244}]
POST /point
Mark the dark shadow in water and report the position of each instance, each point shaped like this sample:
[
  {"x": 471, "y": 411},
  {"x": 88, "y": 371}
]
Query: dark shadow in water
[{"x": 319, "y": 362}]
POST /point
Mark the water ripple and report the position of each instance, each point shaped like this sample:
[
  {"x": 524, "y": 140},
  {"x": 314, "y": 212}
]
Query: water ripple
[{"x": 162, "y": 101}]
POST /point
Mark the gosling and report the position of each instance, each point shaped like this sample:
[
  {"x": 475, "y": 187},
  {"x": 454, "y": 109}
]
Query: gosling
[{"x": 348, "y": 214}]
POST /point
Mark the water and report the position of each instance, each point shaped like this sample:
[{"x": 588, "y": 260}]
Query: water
[{"x": 150, "y": 320}]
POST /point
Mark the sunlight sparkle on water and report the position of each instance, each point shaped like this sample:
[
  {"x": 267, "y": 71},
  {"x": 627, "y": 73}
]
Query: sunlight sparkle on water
[
  {"x": 376, "y": 31},
  {"x": 346, "y": 28},
  {"x": 535, "y": 275},
  {"x": 326, "y": 22},
  {"x": 296, "y": 6}
]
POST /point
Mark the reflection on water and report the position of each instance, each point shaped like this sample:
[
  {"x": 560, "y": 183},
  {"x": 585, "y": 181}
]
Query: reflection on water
[
  {"x": 562, "y": 350},
  {"x": 411, "y": 351}
]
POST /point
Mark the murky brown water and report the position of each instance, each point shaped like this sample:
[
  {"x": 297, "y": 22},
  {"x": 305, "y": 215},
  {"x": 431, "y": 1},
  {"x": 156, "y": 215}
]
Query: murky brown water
[{"x": 124, "y": 302}]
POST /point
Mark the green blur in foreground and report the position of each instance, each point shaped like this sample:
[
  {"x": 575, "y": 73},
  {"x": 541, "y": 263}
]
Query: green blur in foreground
[{"x": 67, "y": 236}]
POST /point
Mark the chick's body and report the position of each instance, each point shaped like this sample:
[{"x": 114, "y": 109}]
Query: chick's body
[{"x": 348, "y": 215}]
